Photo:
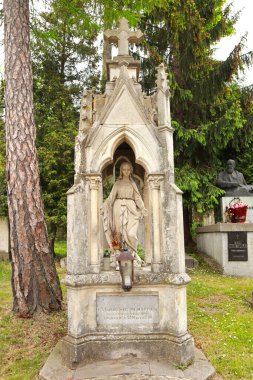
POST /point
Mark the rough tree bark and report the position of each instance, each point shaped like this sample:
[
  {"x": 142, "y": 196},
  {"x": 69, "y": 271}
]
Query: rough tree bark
[{"x": 35, "y": 281}]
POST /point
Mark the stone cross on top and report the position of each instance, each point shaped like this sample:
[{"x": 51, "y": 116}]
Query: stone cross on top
[{"x": 123, "y": 36}]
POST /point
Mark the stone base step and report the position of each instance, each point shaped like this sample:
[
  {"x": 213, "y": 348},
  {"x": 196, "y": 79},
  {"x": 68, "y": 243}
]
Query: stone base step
[
  {"x": 127, "y": 368},
  {"x": 190, "y": 262}
]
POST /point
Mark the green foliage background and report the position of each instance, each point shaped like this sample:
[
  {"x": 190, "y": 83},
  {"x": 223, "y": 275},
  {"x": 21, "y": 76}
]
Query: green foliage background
[
  {"x": 62, "y": 42},
  {"x": 211, "y": 114}
]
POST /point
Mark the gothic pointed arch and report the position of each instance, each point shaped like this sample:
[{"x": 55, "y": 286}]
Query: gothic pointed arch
[{"x": 146, "y": 150}]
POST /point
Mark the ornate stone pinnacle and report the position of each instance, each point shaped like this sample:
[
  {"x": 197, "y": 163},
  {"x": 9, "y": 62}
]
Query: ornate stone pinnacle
[{"x": 161, "y": 76}]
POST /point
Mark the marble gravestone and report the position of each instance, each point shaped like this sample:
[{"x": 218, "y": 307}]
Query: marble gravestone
[{"x": 124, "y": 124}]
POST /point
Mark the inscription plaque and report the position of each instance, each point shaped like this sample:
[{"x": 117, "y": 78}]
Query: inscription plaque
[
  {"x": 115, "y": 310},
  {"x": 237, "y": 246}
]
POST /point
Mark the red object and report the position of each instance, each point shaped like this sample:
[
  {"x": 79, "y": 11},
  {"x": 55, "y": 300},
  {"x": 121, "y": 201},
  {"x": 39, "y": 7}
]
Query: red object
[{"x": 237, "y": 211}]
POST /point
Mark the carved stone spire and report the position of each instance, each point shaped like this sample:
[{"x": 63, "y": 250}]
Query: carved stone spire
[{"x": 163, "y": 96}]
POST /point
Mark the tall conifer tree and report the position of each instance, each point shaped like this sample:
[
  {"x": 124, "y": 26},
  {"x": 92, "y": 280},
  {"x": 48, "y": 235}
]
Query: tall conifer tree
[
  {"x": 34, "y": 278},
  {"x": 206, "y": 103}
]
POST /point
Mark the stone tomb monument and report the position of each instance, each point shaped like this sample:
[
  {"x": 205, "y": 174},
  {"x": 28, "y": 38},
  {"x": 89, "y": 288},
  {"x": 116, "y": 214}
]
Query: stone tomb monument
[
  {"x": 125, "y": 125},
  {"x": 231, "y": 244},
  {"x": 233, "y": 182}
]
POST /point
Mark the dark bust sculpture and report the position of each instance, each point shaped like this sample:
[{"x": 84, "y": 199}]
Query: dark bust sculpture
[{"x": 233, "y": 182}]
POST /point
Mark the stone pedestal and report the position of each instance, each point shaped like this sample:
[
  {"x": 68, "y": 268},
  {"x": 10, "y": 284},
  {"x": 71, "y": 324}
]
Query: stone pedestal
[
  {"x": 107, "y": 323},
  {"x": 230, "y": 245}
]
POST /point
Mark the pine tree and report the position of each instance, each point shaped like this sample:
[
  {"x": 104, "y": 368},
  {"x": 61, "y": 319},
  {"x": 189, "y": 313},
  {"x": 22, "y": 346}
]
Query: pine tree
[
  {"x": 3, "y": 194},
  {"x": 35, "y": 281}
]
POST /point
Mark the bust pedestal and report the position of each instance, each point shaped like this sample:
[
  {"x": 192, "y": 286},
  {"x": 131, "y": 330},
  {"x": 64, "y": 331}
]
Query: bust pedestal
[{"x": 230, "y": 245}]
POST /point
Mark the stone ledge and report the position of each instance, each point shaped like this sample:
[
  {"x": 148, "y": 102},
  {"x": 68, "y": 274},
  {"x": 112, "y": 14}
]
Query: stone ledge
[
  {"x": 102, "y": 337},
  {"x": 226, "y": 227},
  {"x": 113, "y": 277},
  {"x": 86, "y": 349}
]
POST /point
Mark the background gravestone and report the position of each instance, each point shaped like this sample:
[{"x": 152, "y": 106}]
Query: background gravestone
[{"x": 4, "y": 239}]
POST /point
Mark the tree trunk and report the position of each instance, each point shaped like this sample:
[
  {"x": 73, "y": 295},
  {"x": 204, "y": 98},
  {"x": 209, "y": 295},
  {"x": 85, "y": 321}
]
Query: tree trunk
[
  {"x": 52, "y": 237},
  {"x": 187, "y": 224},
  {"x": 35, "y": 281}
]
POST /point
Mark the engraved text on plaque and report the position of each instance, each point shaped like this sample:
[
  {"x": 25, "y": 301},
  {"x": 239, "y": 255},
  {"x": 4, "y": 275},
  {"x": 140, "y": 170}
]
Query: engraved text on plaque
[
  {"x": 116, "y": 310},
  {"x": 237, "y": 246}
]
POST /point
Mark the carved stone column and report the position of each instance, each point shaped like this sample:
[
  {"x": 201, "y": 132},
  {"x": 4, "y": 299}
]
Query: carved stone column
[
  {"x": 167, "y": 133},
  {"x": 154, "y": 182},
  {"x": 147, "y": 223},
  {"x": 94, "y": 259}
]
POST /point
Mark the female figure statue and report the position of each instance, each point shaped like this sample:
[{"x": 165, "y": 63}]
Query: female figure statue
[{"x": 122, "y": 211}]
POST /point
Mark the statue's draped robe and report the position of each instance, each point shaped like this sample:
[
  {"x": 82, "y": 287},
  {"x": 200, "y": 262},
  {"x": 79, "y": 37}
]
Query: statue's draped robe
[{"x": 122, "y": 211}]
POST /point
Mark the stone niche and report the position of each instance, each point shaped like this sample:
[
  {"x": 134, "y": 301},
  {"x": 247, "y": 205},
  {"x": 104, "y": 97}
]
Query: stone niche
[{"x": 124, "y": 124}]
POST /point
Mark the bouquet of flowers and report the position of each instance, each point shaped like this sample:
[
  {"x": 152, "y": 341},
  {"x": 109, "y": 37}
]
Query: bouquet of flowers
[
  {"x": 236, "y": 211},
  {"x": 116, "y": 242}
]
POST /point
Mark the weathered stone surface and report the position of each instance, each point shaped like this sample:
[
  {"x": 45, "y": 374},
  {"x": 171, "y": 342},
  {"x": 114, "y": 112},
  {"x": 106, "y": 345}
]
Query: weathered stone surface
[
  {"x": 200, "y": 369},
  {"x": 54, "y": 368},
  {"x": 190, "y": 262},
  {"x": 141, "y": 277},
  {"x": 127, "y": 368},
  {"x": 115, "y": 346},
  {"x": 213, "y": 240},
  {"x": 82, "y": 308}
]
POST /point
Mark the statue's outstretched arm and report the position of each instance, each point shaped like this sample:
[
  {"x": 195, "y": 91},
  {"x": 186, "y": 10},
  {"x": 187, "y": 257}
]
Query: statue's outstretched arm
[{"x": 107, "y": 212}]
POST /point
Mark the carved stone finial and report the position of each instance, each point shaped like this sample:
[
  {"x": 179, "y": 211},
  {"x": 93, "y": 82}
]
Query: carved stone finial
[
  {"x": 123, "y": 24},
  {"x": 163, "y": 97},
  {"x": 161, "y": 78},
  {"x": 123, "y": 36}
]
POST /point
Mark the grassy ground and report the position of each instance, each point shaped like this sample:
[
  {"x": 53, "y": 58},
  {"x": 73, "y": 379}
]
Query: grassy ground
[
  {"x": 221, "y": 321},
  {"x": 60, "y": 249},
  {"x": 219, "y": 318},
  {"x": 25, "y": 343}
]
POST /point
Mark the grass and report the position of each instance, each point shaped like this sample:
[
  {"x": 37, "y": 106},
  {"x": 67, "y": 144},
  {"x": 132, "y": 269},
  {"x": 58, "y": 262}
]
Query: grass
[
  {"x": 26, "y": 343},
  {"x": 221, "y": 321},
  {"x": 60, "y": 249},
  {"x": 219, "y": 318}
]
